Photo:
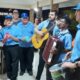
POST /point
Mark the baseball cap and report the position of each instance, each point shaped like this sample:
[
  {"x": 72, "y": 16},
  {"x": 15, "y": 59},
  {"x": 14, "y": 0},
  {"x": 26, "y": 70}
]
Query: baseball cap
[
  {"x": 77, "y": 7},
  {"x": 8, "y": 17},
  {"x": 24, "y": 15}
]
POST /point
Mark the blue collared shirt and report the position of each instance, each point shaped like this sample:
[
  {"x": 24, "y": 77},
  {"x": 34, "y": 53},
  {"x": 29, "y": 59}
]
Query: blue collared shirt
[
  {"x": 66, "y": 38},
  {"x": 76, "y": 49},
  {"x": 27, "y": 31},
  {"x": 12, "y": 30},
  {"x": 56, "y": 31},
  {"x": 45, "y": 23}
]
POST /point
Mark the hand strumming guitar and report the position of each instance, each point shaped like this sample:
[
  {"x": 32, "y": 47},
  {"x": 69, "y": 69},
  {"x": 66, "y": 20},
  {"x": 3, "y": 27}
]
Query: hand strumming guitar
[{"x": 39, "y": 32}]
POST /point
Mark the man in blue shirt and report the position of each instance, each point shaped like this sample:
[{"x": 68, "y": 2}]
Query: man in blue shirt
[
  {"x": 64, "y": 36},
  {"x": 16, "y": 18},
  {"x": 66, "y": 41},
  {"x": 10, "y": 36},
  {"x": 50, "y": 22},
  {"x": 75, "y": 53},
  {"x": 26, "y": 55}
]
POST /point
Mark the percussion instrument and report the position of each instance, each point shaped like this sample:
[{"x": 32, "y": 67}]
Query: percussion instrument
[
  {"x": 53, "y": 46},
  {"x": 57, "y": 72}
]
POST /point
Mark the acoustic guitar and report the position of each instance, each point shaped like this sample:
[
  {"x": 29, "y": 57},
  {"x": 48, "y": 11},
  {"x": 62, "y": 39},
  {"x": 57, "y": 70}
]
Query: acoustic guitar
[{"x": 38, "y": 40}]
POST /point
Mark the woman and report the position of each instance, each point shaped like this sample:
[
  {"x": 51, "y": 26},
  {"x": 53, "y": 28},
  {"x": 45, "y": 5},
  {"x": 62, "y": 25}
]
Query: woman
[{"x": 10, "y": 36}]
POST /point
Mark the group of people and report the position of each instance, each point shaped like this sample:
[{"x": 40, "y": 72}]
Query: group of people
[
  {"x": 70, "y": 56},
  {"x": 16, "y": 37}
]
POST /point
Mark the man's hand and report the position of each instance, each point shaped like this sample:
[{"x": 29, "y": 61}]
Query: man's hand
[
  {"x": 7, "y": 36},
  {"x": 40, "y": 33},
  {"x": 26, "y": 39},
  {"x": 53, "y": 51},
  {"x": 69, "y": 65},
  {"x": 68, "y": 55}
]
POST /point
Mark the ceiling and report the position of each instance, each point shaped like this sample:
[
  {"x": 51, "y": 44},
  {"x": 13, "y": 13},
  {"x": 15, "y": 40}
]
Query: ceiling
[
  {"x": 29, "y": 4},
  {"x": 22, "y": 4}
]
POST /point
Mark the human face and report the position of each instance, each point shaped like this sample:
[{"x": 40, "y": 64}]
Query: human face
[
  {"x": 15, "y": 15},
  {"x": 52, "y": 15},
  {"x": 25, "y": 20},
  {"x": 77, "y": 14},
  {"x": 62, "y": 24},
  {"x": 8, "y": 22},
  {"x": 36, "y": 21}
]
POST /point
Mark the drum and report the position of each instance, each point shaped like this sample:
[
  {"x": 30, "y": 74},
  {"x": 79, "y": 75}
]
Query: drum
[
  {"x": 57, "y": 72},
  {"x": 52, "y": 44}
]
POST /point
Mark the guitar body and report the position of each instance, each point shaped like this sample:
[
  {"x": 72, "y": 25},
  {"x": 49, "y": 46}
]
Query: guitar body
[{"x": 38, "y": 40}]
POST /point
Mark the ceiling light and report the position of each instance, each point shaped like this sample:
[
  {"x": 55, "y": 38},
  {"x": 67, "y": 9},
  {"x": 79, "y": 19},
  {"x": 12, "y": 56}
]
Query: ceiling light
[{"x": 36, "y": 9}]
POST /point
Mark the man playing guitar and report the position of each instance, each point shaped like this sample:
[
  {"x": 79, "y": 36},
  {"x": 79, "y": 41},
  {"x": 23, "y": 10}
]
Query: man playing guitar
[{"x": 45, "y": 24}]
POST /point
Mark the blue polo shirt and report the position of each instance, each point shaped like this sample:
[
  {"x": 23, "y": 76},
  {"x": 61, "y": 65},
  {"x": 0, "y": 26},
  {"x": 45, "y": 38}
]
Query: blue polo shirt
[
  {"x": 76, "y": 49},
  {"x": 66, "y": 38},
  {"x": 12, "y": 30},
  {"x": 45, "y": 23},
  {"x": 27, "y": 31}
]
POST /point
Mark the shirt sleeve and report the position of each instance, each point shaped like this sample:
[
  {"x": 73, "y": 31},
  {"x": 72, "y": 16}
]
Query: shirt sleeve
[
  {"x": 77, "y": 41},
  {"x": 68, "y": 42},
  {"x": 56, "y": 31},
  {"x": 40, "y": 26}
]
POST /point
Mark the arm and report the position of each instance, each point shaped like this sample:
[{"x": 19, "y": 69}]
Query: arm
[
  {"x": 13, "y": 38},
  {"x": 38, "y": 30},
  {"x": 68, "y": 43},
  {"x": 69, "y": 65},
  {"x": 16, "y": 37}
]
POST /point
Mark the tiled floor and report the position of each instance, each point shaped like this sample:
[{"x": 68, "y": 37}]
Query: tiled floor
[{"x": 26, "y": 76}]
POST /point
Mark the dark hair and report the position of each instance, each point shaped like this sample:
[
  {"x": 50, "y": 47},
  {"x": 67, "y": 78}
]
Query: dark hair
[
  {"x": 67, "y": 19},
  {"x": 56, "y": 12},
  {"x": 38, "y": 18}
]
